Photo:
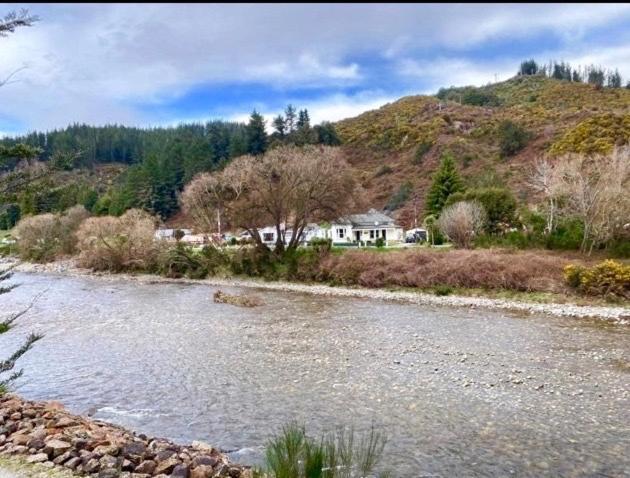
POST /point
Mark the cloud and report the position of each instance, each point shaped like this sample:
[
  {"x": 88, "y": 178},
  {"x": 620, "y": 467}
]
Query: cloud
[{"x": 102, "y": 63}]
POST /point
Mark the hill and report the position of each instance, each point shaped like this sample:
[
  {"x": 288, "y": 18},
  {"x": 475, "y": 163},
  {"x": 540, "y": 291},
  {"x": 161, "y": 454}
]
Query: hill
[
  {"x": 396, "y": 148},
  {"x": 493, "y": 132}
]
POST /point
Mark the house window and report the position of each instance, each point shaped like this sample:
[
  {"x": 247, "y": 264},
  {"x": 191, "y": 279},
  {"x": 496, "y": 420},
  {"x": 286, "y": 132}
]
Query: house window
[
  {"x": 371, "y": 233},
  {"x": 340, "y": 233},
  {"x": 268, "y": 236}
]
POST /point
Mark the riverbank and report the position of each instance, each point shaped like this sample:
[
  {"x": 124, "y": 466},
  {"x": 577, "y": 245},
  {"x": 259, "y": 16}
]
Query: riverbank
[
  {"x": 44, "y": 433},
  {"x": 616, "y": 314}
]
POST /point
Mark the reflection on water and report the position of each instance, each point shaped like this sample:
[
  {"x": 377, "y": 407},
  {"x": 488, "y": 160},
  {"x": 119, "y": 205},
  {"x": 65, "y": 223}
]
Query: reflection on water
[{"x": 459, "y": 392}]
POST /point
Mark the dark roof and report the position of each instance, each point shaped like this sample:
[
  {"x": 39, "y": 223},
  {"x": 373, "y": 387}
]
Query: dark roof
[{"x": 370, "y": 219}]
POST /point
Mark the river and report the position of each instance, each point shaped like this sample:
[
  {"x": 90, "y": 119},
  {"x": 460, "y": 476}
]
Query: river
[{"x": 459, "y": 392}]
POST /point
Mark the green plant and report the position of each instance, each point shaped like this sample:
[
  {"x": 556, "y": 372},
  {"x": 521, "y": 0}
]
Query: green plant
[
  {"x": 443, "y": 290},
  {"x": 512, "y": 137},
  {"x": 293, "y": 454},
  {"x": 606, "y": 279},
  {"x": 380, "y": 242},
  {"x": 423, "y": 148},
  {"x": 400, "y": 196}
]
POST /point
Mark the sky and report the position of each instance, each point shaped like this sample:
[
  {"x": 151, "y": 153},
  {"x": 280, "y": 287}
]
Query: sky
[{"x": 162, "y": 64}]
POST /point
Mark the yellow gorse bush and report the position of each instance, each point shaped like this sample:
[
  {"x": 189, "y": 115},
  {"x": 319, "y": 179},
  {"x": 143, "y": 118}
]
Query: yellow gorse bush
[{"x": 608, "y": 278}]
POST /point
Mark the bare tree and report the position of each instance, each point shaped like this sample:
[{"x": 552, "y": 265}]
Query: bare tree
[
  {"x": 287, "y": 187},
  {"x": 595, "y": 190},
  {"x": 8, "y": 24},
  {"x": 545, "y": 179},
  {"x": 462, "y": 221}
]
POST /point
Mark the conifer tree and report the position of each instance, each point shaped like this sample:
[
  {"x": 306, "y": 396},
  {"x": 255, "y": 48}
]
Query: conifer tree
[
  {"x": 446, "y": 181},
  {"x": 289, "y": 114},
  {"x": 256, "y": 134}
]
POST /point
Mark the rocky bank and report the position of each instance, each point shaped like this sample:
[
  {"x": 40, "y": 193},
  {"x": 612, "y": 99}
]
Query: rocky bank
[{"x": 45, "y": 433}]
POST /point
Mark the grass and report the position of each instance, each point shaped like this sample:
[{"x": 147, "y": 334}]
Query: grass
[
  {"x": 22, "y": 469},
  {"x": 342, "y": 454}
]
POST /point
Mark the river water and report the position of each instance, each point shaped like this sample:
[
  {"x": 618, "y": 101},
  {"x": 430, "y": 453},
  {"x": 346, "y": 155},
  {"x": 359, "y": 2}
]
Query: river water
[{"x": 458, "y": 392}]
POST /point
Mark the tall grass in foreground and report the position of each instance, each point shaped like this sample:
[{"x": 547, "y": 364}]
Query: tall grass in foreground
[{"x": 341, "y": 454}]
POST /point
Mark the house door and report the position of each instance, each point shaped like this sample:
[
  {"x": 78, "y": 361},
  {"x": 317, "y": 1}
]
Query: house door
[
  {"x": 383, "y": 235},
  {"x": 357, "y": 236}
]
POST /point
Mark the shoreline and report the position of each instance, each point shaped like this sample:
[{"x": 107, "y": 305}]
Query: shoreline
[
  {"x": 43, "y": 434},
  {"x": 615, "y": 314}
]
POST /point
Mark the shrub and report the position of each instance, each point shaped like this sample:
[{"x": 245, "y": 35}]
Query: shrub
[
  {"x": 512, "y": 138},
  {"x": 45, "y": 237},
  {"x": 380, "y": 242},
  {"x": 293, "y": 454},
  {"x": 499, "y": 204},
  {"x": 443, "y": 290},
  {"x": 423, "y": 148},
  {"x": 118, "y": 243},
  {"x": 492, "y": 269},
  {"x": 400, "y": 197},
  {"x": 606, "y": 279},
  {"x": 462, "y": 221}
]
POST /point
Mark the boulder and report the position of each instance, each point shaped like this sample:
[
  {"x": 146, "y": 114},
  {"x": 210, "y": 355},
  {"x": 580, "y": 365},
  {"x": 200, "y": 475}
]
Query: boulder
[
  {"x": 166, "y": 466},
  {"x": 147, "y": 466},
  {"x": 201, "y": 471},
  {"x": 181, "y": 471},
  {"x": 38, "y": 458},
  {"x": 72, "y": 463},
  {"x": 204, "y": 460},
  {"x": 56, "y": 447}
]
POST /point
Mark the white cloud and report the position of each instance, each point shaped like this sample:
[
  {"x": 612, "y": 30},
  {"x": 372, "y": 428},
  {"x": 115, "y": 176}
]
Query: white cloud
[{"x": 97, "y": 63}]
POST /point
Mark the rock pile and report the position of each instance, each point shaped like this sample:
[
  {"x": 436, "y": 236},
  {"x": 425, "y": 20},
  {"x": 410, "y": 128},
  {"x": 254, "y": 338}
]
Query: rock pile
[
  {"x": 45, "y": 433},
  {"x": 221, "y": 297}
]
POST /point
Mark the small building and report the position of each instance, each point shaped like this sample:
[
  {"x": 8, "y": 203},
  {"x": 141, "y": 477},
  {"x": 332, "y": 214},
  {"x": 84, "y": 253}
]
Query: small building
[
  {"x": 169, "y": 234},
  {"x": 366, "y": 229}
]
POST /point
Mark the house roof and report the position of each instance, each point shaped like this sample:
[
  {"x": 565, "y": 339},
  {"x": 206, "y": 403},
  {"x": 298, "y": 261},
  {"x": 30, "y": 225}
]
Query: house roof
[{"x": 370, "y": 219}]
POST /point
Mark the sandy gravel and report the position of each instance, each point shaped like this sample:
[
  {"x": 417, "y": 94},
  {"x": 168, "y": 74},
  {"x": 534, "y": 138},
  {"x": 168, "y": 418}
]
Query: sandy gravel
[{"x": 617, "y": 314}]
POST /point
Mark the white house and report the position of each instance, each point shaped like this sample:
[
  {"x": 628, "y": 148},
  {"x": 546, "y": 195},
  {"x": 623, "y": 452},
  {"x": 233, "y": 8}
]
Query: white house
[
  {"x": 269, "y": 234},
  {"x": 365, "y": 228},
  {"x": 169, "y": 234}
]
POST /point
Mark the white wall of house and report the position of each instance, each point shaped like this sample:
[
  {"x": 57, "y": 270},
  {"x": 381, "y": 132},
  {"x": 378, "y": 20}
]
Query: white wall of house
[{"x": 345, "y": 233}]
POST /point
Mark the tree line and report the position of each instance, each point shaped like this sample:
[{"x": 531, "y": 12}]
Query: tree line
[{"x": 560, "y": 70}]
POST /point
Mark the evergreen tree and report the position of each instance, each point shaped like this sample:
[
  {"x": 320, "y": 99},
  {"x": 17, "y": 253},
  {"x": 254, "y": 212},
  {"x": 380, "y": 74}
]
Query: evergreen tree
[
  {"x": 528, "y": 67},
  {"x": 614, "y": 79},
  {"x": 256, "y": 134},
  {"x": 289, "y": 114},
  {"x": 446, "y": 181},
  {"x": 325, "y": 133},
  {"x": 279, "y": 125}
]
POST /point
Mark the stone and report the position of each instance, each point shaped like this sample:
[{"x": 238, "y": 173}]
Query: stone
[
  {"x": 79, "y": 443},
  {"x": 18, "y": 450},
  {"x": 222, "y": 470},
  {"x": 201, "y": 471},
  {"x": 147, "y": 466},
  {"x": 36, "y": 443},
  {"x": 134, "y": 448},
  {"x": 66, "y": 422},
  {"x": 38, "y": 434},
  {"x": 108, "y": 461},
  {"x": 91, "y": 466},
  {"x": 72, "y": 463},
  {"x": 108, "y": 473},
  {"x": 164, "y": 455},
  {"x": 57, "y": 447},
  {"x": 39, "y": 458},
  {"x": 166, "y": 466},
  {"x": 200, "y": 445},
  {"x": 16, "y": 416},
  {"x": 181, "y": 471},
  {"x": 62, "y": 458},
  {"x": 204, "y": 460},
  {"x": 234, "y": 472},
  {"x": 20, "y": 439}
]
